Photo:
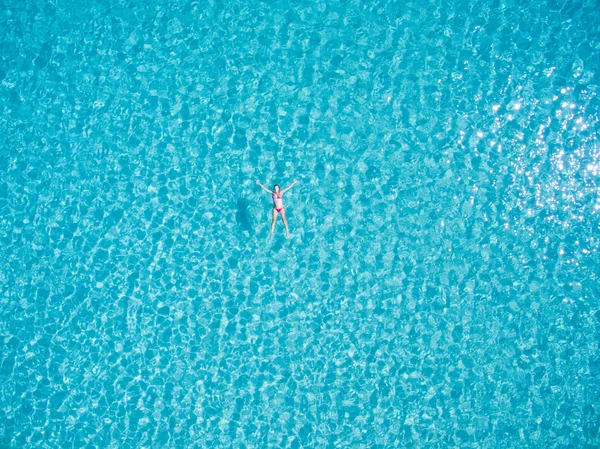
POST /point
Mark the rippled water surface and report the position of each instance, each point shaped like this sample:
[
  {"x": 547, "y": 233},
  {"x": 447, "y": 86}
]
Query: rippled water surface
[{"x": 440, "y": 288}]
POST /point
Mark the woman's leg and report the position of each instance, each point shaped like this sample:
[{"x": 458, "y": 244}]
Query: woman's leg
[
  {"x": 287, "y": 231},
  {"x": 273, "y": 222}
]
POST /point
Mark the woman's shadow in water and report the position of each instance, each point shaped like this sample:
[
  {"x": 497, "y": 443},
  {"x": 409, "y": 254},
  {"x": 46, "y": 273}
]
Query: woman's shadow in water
[{"x": 242, "y": 216}]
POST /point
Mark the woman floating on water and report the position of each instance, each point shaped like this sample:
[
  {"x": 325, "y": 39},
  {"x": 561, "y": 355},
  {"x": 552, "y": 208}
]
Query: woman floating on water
[{"x": 278, "y": 205}]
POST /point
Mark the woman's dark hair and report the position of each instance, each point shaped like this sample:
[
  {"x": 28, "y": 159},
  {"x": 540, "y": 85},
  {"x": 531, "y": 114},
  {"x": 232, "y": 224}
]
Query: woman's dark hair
[{"x": 276, "y": 185}]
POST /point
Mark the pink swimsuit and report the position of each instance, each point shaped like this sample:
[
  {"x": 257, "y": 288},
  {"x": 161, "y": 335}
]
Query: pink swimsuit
[{"x": 278, "y": 196}]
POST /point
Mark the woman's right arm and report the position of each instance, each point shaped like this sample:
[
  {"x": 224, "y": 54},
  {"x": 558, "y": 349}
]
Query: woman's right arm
[{"x": 264, "y": 188}]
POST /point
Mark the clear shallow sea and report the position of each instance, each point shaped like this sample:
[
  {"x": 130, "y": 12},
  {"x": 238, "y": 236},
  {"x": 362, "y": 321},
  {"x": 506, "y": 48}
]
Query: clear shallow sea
[{"x": 441, "y": 286}]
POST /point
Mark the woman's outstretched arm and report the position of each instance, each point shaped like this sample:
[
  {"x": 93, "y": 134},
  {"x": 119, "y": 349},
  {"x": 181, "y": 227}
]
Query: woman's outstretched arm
[
  {"x": 289, "y": 187},
  {"x": 264, "y": 188}
]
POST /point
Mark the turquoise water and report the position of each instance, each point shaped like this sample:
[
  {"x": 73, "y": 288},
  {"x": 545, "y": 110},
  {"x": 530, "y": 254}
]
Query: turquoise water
[{"x": 440, "y": 288}]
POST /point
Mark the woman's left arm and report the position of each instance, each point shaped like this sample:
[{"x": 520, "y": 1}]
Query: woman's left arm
[{"x": 289, "y": 187}]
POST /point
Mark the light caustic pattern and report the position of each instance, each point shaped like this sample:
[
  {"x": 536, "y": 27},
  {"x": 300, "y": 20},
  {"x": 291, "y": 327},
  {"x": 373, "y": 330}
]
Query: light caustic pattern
[{"x": 440, "y": 288}]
